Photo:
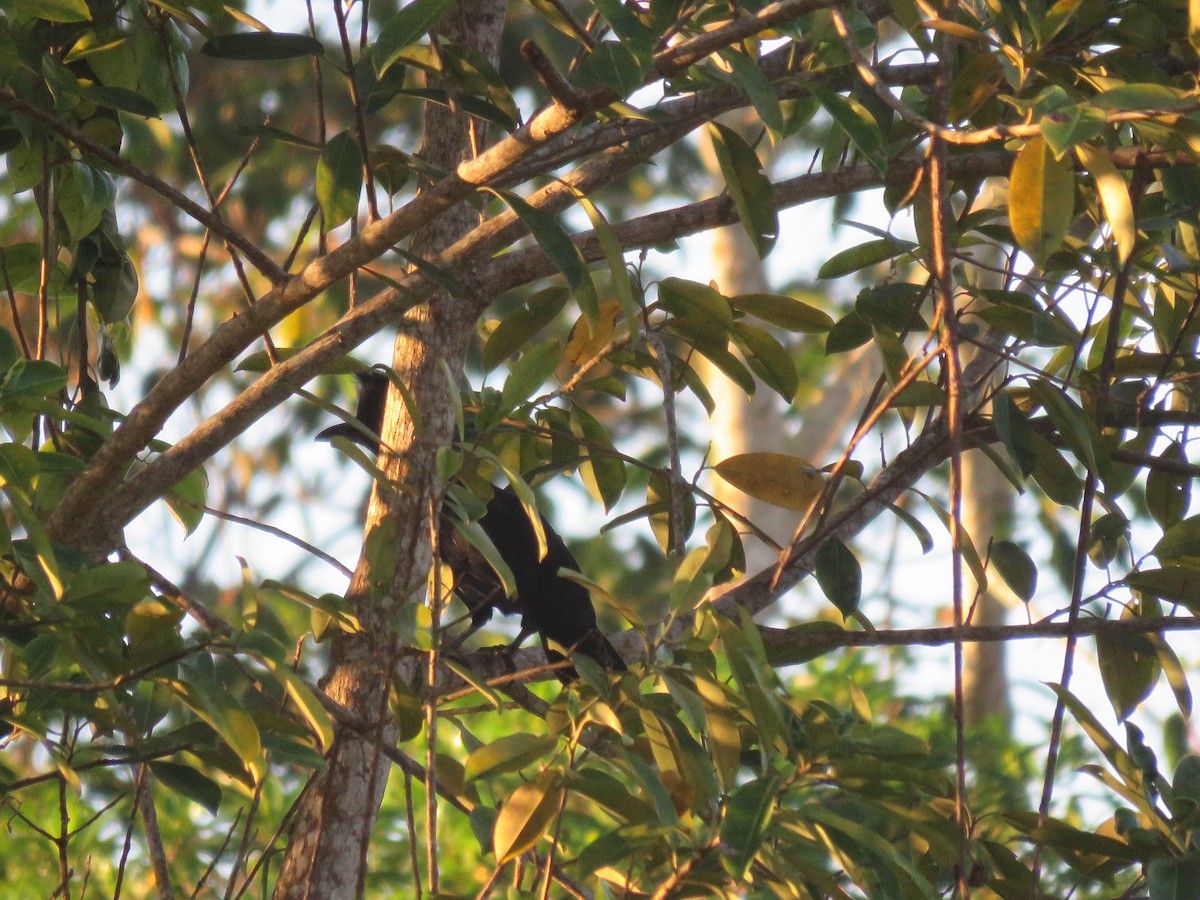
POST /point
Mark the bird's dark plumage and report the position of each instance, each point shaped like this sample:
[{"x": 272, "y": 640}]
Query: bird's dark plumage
[{"x": 558, "y": 609}]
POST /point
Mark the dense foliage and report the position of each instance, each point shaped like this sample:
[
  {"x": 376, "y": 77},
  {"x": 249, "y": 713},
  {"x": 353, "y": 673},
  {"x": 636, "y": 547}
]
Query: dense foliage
[{"x": 201, "y": 213}]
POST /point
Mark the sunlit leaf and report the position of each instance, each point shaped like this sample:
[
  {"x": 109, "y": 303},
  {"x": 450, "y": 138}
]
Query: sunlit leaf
[
  {"x": 1041, "y": 200},
  {"x": 509, "y": 753},
  {"x": 527, "y": 814},
  {"x": 1114, "y": 196},
  {"x": 776, "y": 478}
]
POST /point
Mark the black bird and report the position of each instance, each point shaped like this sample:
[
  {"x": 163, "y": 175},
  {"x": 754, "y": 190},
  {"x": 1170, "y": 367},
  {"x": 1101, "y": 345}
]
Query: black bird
[{"x": 558, "y": 609}]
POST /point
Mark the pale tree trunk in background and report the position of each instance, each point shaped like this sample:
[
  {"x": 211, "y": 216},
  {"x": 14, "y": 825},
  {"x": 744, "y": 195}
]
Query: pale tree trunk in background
[
  {"x": 987, "y": 504},
  {"x": 742, "y": 424},
  {"x": 756, "y": 424},
  {"x": 987, "y": 509},
  {"x": 326, "y": 854}
]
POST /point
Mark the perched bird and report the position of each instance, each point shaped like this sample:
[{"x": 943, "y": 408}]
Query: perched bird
[{"x": 558, "y": 609}]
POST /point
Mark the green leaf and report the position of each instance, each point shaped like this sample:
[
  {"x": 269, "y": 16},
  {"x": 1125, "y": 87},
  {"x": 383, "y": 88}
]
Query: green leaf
[
  {"x": 887, "y": 861},
  {"x": 1054, "y": 474},
  {"x": 1108, "y": 535},
  {"x": 473, "y": 533},
  {"x": 1033, "y": 326},
  {"x": 187, "y": 782},
  {"x": 1129, "y": 670},
  {"x": 339, "y": 178},
  {"x": 848, "y": 333},
  {"x": 1041, "y": 200},
  {"x": 614, "y": 256},
  {"x": 1174, "y": 584},
  {"x": 919, "y": 394},
  {"x": 1180, "y": 542},
  {"x": 262, "y": 45},
  {"x": 220, "y": 709},
  {"x": 1073, "y": 126},
  {"x": 603, "y": 472},
  {"x": 306, "y": 701},
  {"x": 107, "y": 587},
  {"x": 1111, "y": 750},
  {"x": 768, "y": 359},
  {"x": 551, "y": 237},
  {"x": 1168, "y": 494},
  {"x": 405, "y": 27},
  {"x": 84, "y": 194},
  {"x": 701, "y": 310},
  {"x": 839, "y": 575},
  {"x": 529, "y": 373},
  {"x": 626, "y": 23},
  {"x": 915, "y": 526},
  {"x": 526, "y": 815},
  {"x": 1068, "y": 418},
  {"x": 55, "y": 10},
  {"x": 613, "y": 65},
  {"x": 966, "y": 545},
  {"x": 855, "y": 258},
  {"x": 1016, "y": 568},
  {"x": 895, "y": 306},
  {"x": 31, "y": 379},
  {"x": 115, "y": 287},
  {"x": 784, "y": 312},
  {"x": 748, "y": 812},
  {"x": 1177, "y": 878},
  {"x": 1141, "y": 97},
  {"x": 717, "y": 353},
  {"x": 520, "y": 326},
  {"x": 122, "y": 99},
  {"x": 271, "y": 133},
  {"x": 1177, "y": 676},
  {"x": 859, "y": 125},
  {"x": 748, "y": 75},
  {"x": 186, "y": 499},
  {"x": 721, "y": 729},
  {"x": 510, "y": 753},
  {"x": 749, "y": 187}
]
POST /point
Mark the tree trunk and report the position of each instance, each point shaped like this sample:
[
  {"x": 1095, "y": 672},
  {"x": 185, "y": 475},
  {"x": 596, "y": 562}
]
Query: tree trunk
[
  {"x": 326, "y": 855},
  {"x": 987, "y": 506}
]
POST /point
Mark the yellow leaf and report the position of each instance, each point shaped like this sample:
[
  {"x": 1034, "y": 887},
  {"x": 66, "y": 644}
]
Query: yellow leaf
[
  {"x": 1114, "y": 196},
  {"x": 527, "y": 815},
  {"x": 585, "y": 340},
  {"x": 1041, "y": 200},
  {"x": 776, "y": 478}
]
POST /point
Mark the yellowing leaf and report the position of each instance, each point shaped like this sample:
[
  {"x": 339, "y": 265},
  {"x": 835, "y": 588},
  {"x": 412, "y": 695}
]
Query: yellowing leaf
[
  {"x": 526, "y": 816},
  {"x": 587, "y": 340},
  {"x": 1041, "y": 200},
  {"x": 1114, "y": 196},
  {"x": 776, "y": 478}
]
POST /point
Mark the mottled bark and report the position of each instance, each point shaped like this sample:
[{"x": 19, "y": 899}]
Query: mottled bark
[{"x": 327, "y": 852}]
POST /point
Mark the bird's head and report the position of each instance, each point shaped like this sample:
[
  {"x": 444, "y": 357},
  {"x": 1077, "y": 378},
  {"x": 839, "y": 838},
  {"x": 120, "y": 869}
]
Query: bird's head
[{"x": 372, "y": 396}]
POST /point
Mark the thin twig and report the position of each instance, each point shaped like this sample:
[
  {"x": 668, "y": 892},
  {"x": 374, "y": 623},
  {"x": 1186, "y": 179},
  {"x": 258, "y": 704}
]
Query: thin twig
[{"x": 158, "y": 854}]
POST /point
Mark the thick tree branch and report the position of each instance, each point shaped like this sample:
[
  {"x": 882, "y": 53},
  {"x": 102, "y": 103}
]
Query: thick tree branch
[
  {"x": 231, "y": 338},
  {"x": 501, "y": 274}
]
